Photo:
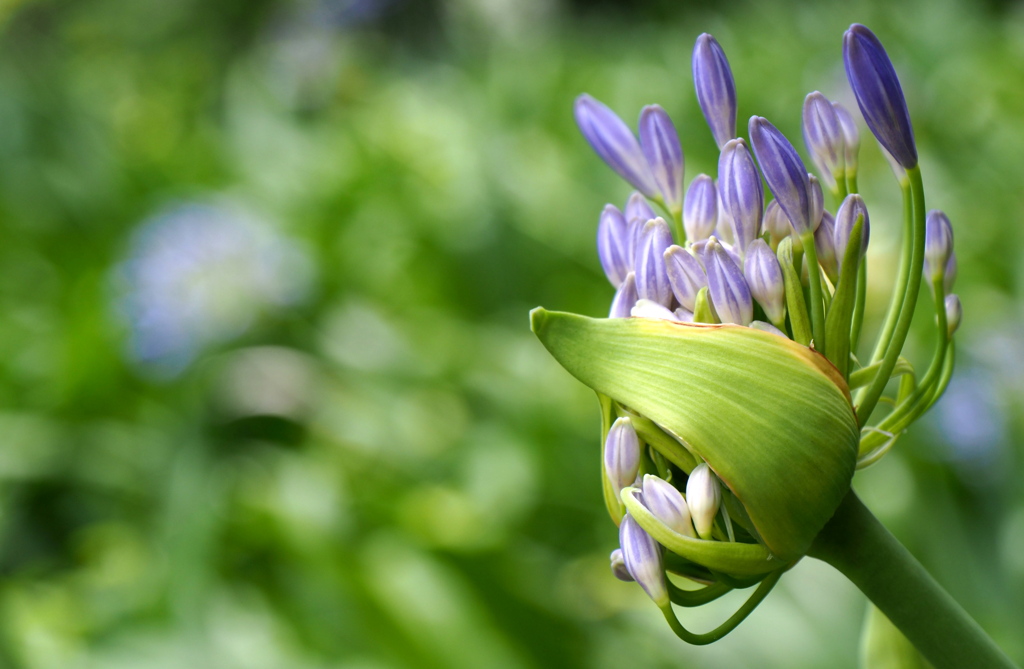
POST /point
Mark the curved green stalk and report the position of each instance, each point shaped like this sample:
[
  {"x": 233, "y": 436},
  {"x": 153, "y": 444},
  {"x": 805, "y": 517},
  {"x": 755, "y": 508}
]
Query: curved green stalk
[
  {"x": 860, "y": 548},
  {"x": 869, "y": 397},
  {"x": 691, "y": 598},
  {"x": 729, "y": 625}
]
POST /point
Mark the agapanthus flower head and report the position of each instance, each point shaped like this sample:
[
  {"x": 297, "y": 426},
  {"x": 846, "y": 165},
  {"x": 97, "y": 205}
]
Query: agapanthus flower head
[
  {"x": 660, "y": 144},
  {"x": 739, "y": 187},
  {"x": 824, "y": 138},
  {"x": 784, "y": 171},
  {"x": 879, "y": 94},
  {"x": 614, "y": 142},
  {"x": 716, "y": 89}
]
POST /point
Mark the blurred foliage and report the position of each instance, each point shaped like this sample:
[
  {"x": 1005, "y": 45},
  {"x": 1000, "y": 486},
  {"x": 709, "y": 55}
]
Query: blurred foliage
[{"x": 387, "y": 470}]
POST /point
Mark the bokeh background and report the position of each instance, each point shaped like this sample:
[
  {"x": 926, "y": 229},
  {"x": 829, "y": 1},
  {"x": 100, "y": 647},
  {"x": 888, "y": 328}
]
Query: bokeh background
[{"x": 268, "y": 396}]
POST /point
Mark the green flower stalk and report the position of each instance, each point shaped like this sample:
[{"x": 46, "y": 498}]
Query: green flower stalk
[{"x": 724, "y": 371}]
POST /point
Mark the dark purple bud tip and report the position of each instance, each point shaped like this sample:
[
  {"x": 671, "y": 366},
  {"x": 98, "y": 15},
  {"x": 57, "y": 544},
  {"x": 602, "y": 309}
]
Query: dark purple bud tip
[{"x": 879, "y": 95}]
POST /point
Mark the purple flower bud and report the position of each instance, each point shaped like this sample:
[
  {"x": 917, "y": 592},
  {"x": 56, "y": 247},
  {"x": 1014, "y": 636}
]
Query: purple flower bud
[
  {"x": 951, "y": 268},
  {"x": 700, "y": 209},
  {"x": 852, "y": 207},
  {"x": 618, "y": 564},
  {"x": 651, "y": 279},
  {"x": 769, "y": 328},
  {"x": 666, "y": 504},
  {"x": 642, "y": 556},
  {"x": 764, "y": 278},
  {"x": 614, "y": 245},
  {"x": 784, "y": 172},
  {"x": 614, "y": 142},
  {"x": 851, "y": 136},
  {"x": 727, "y": 288},
  {"x": 648, "y": 309},
  {"x": 685, "y": 275},
  {"x": 621, "y": 454},
  {"x": 625, "y": 298},
  {"x": 684, "y": 315},
  {"x": 823, "y": 135},
  {"x": 938, "y": 243},
  {"x": 739, "y": 186},
  {"x": 776, "y": 223},
  {"x": 638, "y": 209},
  {"x": 879, "y": 95},
  {"x": 817, "y": 200},
  {"x": 825, "y": 246},
  {"x": 664, "y": 154},
  {"x": 703, "y": 497},
  {"x": 954, "y": 312},
  {"x": 716, "y": 90}
]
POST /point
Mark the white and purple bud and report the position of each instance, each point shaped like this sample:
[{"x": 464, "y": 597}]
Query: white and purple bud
[
  {"x": 784, "y": 171},
  {"x": 621, "y": 454},
  {"x": 741, "y": 193},
  {"x": 851, "y": 208},
  {"x": 618, "y": 564},
  {"x": 817, "y": 200},
  {"x": 951, "y": 269},
  {"x": 764, "y": 278},
  {"x": 954, "y": 312},
  {"x": 851, "y": 135},
  {"x": 642, "y": 556},
  {"x": 614, "y": 143},
  {"x": 615, "y": 245},
  {"x": 625, "y": 298},
  {"x": 651, "y": 278},
  {"x": 879, "y": 95},
  {"x": 650, "y": 309},
  {"x": 716, "y": 89},
  {"x": 638, "y": 209},
  {"x": 776, "y": 223},
  {"x": 769, "y": 328},
  {"x": 938, "y": 244},
  {"x": 825, "y": 246},
  {"x": 727, "y": 288},
  {"x": 823, "y": 136},
  {"x": 660, "y": 144},
  {"x": 700, "y": 208},
  {"x": 685, "y": 275},
  {"x": 666, "y": 504},
  {"x": 703, "y": 497}
]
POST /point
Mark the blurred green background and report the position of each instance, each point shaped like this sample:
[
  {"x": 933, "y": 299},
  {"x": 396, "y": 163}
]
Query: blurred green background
[{"x": 268, "y": 396}]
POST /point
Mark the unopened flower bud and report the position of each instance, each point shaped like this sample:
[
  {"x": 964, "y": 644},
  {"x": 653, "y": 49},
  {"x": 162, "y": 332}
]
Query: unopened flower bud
[
  {"x": 764, "y": 278},
  {"x": 727, "y": 288},
  {"x": 823, "y": 135},
  {"x": 776, "y": 223},
  {"x": 642, "y": 556},
  {"x": 716, "y": 89},
  {"x": 638, "y": 209},
  {"x": 685, "y": 275},
  {"x": 625, "y": 298},
  {"x": 851, "y": 208},
  {"x": 954, "y": 312},
  {"x": 951, "y": 270},
  {"x": 667, "y": 504},
  {"x": 700, "y": 209},
  {"x": 621, "y": 454},
  {"x": 615, "y": 245},
  {"x": 614, "y": 143},
  {"x": 703, "y": 497},
  {"x": 851, "y": 136},
  {"x": 618, "y": 564},
  {"x": 825, "y": 245},
  {"x": 650, "y": 309},
  {"x": 817, "y": 200},
  {"x": 879, "y": 95},
  {"x": 664, "y": 153},
  {"x": 784, "y": 171},
  {"x": 651, "y": 278},
  {"x": 684, "y": 315},
  {"x": 740, "y": 190},
  {"x": 938, "y": 243}
]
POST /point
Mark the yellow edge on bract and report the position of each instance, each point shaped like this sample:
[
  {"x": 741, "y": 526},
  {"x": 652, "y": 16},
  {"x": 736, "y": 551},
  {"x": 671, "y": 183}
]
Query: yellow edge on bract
[{"x": 735, "y": 559}]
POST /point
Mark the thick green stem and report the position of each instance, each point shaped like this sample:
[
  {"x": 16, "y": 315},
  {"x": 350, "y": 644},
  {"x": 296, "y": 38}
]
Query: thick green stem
[{"x": 860, "y": 547}]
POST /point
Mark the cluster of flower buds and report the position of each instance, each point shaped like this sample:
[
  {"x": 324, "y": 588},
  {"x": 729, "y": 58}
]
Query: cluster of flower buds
[{"x": 734, "y": 317}]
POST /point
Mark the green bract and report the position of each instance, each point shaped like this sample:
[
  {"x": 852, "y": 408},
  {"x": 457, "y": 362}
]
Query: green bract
[{"x": 772, "y": 418}]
